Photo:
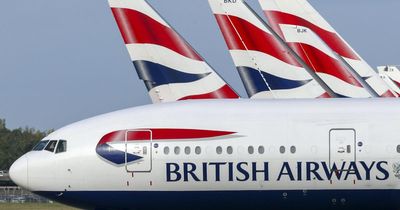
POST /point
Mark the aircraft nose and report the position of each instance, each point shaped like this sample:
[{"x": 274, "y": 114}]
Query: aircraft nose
[{"x": 19, "y": 172}]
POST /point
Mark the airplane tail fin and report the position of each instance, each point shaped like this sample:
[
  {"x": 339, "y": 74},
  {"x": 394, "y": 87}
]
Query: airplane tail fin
[
  {"x": 170, "y": 68},
  {"x": 391, "y": 75},
  {"x": 266, "y": 68},
  {"x": 300, "y": 14}
]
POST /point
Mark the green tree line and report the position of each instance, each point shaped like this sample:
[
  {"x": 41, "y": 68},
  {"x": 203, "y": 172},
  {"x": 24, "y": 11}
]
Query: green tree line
[{"x": 15, "y": 143}]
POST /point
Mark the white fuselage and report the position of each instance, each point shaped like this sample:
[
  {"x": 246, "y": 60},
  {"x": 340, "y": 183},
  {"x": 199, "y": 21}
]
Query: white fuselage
[{"x": 283, "y": 146}]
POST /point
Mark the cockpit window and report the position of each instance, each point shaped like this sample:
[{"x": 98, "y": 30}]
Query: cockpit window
[
  {"x": 40, "y": 146},
  {"x": 51, "y": 146},
  {"x": 62, "y": 146}
]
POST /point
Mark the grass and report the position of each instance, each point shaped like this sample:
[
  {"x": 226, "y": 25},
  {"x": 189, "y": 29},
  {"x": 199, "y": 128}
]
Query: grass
[{"x": 34, "y": 206}]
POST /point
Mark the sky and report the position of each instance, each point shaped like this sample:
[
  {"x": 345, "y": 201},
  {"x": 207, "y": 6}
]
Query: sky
[{"x": 64, "y": 61}]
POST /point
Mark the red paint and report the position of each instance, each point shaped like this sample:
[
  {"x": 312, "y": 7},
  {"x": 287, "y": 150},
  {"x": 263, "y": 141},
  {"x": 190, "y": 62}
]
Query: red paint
[
  {"x": 225, "y": 92},
  {"x": 395, "y": 82},
  {"x": 315, "y": 58},
  {"x": 388, "y": 94},
  {"x": 137, "y": 27},
  {"x": 323, "y": 63},
  {"x": 254, "y": 38},
  {"x": 113, "y": 136},
  {"x": 161, "y": 134},
  {"x": 331, "y": 39},
  {"x": 325, "y": 95}
]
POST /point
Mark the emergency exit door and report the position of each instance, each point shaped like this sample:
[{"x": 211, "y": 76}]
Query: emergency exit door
[
  {"x": 342, "y": 144},
  {"x": 138, "y": 151}
]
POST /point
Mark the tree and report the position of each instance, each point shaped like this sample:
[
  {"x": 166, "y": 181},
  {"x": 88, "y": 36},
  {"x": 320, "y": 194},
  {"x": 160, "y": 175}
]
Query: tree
[
  {"x": 15, "y": 143},
  {"x": 2, "y": 124}
]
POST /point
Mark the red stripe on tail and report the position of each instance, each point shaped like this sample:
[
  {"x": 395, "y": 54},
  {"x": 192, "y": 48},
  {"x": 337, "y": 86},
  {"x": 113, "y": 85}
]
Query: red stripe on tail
[
  {"x": 137, "y": 27},
  {"x": 224, "y": 92},
  {"x": 325, "y": 95},
  {"x": 323, "y": 63},
  {"x": 253, "y": 37},
  {"x": 331, "y": 39},
  {"x": 388, "y": 94}
]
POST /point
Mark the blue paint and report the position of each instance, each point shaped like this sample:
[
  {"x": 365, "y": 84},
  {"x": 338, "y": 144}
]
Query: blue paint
[
  {"x": 254, "y": 83},
  {"x": 155, "y": 74},
  {"x": 233, "y": 200},
  {"x": 115, "y": 156}
]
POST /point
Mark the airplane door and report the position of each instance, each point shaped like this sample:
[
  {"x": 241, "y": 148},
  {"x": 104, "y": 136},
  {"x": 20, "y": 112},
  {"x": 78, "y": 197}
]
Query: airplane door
[
  {"x": 342, "y": 144},
  {"x": 138, "y": 151}
]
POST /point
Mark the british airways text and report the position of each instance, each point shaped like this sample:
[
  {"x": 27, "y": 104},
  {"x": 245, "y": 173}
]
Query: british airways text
[{"x": 256, "y": 171}]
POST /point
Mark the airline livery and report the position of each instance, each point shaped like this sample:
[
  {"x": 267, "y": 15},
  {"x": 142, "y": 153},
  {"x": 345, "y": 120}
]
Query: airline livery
[
  {"x": 267, "y": 68},
  {"x": 322, "y": 47},
  {"x": 170, "y": 68},
  {"x": 220, "y": 153},
  {"x": 228, "y": 154}
]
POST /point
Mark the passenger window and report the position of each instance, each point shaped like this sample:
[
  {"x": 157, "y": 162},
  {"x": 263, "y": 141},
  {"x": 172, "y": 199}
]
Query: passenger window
[
  {"x": 51, "y": 146},
  {"x": 197, "y": 150},
  {"x": 229, "y": 150},
  {"x": 261, "y": 150},
  {"x": 61, "y": 146},
  {"x": 282, "y": 149},
  {"x": 251, "y": 150},
  {"x": 398, "y": 148},
  {"x": 177, "y": 150},
  {"x": 219, "y": 150},
  {"x": 187, "y": 150},
  {"x": 166, "y": 150},
  {"x": 293, "y": 149},
  {"x": 40, "y": 146}
]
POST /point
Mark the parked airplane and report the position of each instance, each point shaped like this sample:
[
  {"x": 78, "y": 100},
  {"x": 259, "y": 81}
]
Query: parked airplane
[
  {"x": 170, "y": 68},
  {"x": 267, "y": 66},
  {"x": 224, "y": 154},
  {"x": 314, "y": 38}
]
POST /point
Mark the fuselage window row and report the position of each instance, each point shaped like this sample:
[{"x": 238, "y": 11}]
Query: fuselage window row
[
  {"x": 229, "y": 150},
  {"x": 187, "y": 150}
]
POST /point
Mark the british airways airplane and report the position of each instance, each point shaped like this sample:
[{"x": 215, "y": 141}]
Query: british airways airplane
[
  {"x": 229, "y": 154},
  {"x": 226, "y": 154}
]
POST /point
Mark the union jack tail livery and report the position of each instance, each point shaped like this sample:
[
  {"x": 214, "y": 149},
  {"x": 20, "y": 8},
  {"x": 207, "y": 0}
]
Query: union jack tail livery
[
  {"x": 267, "y": 69},
  {"x": 170, "y": 68},
  {"x": 321, "y": 46}
]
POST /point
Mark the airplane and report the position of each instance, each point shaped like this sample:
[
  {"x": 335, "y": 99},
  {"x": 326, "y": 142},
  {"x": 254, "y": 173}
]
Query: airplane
[
  {"x": 230, "y": 154},
  {"x": 170, "y": 68},
  {"x": 224, "y": 154},
  {"x": 267, "y": 66},
  {"x": 391, "y": 75},
  {"x": 310, "y": 35}
]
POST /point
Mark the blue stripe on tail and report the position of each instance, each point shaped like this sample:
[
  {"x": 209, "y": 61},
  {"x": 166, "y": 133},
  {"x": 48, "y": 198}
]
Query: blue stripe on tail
[
  {"x": 255, "y": 84},
  {"x": 156, "y": 74}
]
